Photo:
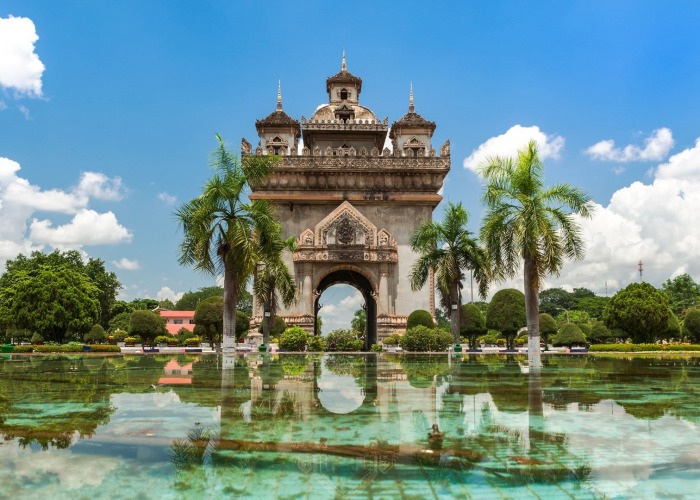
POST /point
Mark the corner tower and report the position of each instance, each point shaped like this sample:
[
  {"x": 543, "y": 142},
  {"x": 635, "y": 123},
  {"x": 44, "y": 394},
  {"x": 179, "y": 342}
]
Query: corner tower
[{"x": 353, "y": 204}]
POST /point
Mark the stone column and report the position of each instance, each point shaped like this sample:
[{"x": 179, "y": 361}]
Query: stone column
[
  {"x": 307, "y": 294},
  {"x": 383, "y": 296}
]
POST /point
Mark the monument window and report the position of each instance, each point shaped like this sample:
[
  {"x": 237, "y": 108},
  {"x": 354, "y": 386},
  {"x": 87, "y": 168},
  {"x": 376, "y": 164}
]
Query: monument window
[{"x": 344, "y": 95}]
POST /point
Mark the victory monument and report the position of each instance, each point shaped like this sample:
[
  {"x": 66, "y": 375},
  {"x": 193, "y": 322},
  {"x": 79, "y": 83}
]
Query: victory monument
[{"x": 351, "y": 203}]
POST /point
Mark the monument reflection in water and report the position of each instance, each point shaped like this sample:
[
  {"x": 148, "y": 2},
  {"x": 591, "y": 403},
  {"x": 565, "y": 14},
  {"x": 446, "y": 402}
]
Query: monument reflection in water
[{"x": 295, "y": 426}]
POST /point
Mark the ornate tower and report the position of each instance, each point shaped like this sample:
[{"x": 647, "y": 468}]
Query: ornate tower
[{"x": 351, "y": 203}]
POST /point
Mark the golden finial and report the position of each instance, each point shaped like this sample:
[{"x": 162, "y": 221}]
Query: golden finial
[
  {"x": 279, "y": 95},
  {"x": 343, "y": 67},
  {"x": 411, "y": 109}
]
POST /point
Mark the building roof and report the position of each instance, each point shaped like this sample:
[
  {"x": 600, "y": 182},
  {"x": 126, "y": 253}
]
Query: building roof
[
  {"x": 278, "y": 118},
  {"x": 411, "y": 120},
  {"x": 344, "y": 76},
  {"x": 176, "y": 314}
]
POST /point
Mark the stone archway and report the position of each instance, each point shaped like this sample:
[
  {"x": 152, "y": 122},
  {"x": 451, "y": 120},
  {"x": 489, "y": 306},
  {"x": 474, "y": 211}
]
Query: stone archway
[
  {"x": 364, "y": 286},
  {"x": 352, "y": 196}
]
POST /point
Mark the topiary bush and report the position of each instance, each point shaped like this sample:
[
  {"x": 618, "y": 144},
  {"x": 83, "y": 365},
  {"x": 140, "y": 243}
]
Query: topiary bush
[
  {"x": 193, "y": 341},
  {"x": 625, "y": 347},
  {"x": 548, "y": 328},
  {"x": 569, "y": 334},
  {"x": 96, "y": 335},
  {"x": 599, "y": 333},
  {"x": 37, "y": 339},
  {"x": 343, "y": 340},
  {"x": 294, "y": 339},
  {"x": 119, "y": 335},
  {"x": 419, "y": 317},
  {"x": 424, "y": 339},
  {"x": 472, "y": 324}
]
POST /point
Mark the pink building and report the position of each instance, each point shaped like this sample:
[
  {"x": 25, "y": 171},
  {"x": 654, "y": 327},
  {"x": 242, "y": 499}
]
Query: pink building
[{"x": 174, "y": 320}]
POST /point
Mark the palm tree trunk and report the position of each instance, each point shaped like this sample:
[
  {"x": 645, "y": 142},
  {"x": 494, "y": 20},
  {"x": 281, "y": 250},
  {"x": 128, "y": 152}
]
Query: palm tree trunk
[
  {"x": 230, "y": 303},
  {"x": 532, "y": 313},
  {"x": 454, "y": 313},
  {"x": 267, "y": 317}
]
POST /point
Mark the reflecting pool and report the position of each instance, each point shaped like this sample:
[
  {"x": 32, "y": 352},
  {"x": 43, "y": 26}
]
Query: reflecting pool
[{"x": 349, "y": 426}]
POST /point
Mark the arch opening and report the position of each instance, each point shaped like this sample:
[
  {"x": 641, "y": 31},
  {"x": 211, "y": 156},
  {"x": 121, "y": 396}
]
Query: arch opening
[{"x": 363, "y": 285}]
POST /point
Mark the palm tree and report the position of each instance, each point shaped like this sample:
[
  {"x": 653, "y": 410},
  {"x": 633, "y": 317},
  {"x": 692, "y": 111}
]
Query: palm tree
[
  {"x": 272, "y": 282},
  {"x": 526, "y": 222},
  {"x": 447, "y": 249},
  {"x": 224, "y": 233}
]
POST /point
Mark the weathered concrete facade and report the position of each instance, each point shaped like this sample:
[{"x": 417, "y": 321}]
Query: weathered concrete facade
[{"x": 351, "y": 203}]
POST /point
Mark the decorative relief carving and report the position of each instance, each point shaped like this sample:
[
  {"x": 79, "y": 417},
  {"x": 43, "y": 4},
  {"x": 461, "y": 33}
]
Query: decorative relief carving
[
  {"x": 345, "y": 231},
  {"x": 305, "y": 151},
  {"x": 306, "y": 238},
  {"x": 246, "y": 147},
  {"x": 363, "y": 151},
  {"x": 374, "y": 152}
]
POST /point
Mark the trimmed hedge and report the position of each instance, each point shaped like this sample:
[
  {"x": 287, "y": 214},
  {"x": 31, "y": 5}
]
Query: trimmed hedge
[
  {"x": 419, "y": 317},
  {"x": 624, "y": 347},
  {"x": 23, "y": 349}
]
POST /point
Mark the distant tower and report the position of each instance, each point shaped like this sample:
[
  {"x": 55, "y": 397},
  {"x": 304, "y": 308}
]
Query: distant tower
[
  {"x": 279, "y": 133},
  {"x": 641, "y": 270},
  {"x": 412, "y": 133}
]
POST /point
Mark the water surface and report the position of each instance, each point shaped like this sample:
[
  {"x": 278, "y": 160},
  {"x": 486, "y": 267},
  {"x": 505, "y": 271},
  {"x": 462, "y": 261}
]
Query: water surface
[{"x": 350, "y": 426}]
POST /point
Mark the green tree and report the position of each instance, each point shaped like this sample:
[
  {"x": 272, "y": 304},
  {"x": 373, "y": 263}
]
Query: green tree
[
  {"x": 593, "y": 306},
  {"x": 147, "y": 325},
  {"x": 527, "y": 223},
  {"x": 120, "y": 321},
  {"x": 104, "y": 284},
  {"x": 447, "y": 249},
  {"x": 56, "y": 302},
  {"x": 506, "y": 313},
  {"x": 555, "y": 300},
  {"x": 210, "y": 315},
  {"x": 691, "y": 325},
  {"x": 673, "y": 330},
  {"x": 640, "y": 311},
  {"x": 166, "y": 304},
  {"x": 599, "y": 333},
  {"x": 273, "y": 282},
  {"x": 294, "y": 339},
  {"x": 359, "y": 322},
  {"x": 223, "y": 233},
  {"x": 143, "y": 304},
  {"x": 683, "y": 293},
  {"x": 472, "y": 324},
  {"x": 189, "y": 300},
  {"x": 548, "y": 327}
]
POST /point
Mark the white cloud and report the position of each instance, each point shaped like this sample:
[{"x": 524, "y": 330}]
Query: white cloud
[
  {"x": 657, "y": 223},
  {"x": 126, "y": 264},
  {"x": 169, "y": 294},
  {"x": 509, "y": 143},
  {"x": 20, "y": 200},
  {"x": 339, "y": 313},
  {"x": 168, "y": 199},
  {"x": 656, "y": 147},
  {"x": 86, "y": 228},
  {"x": 99, "y": 186},
  {"x": 25, "y": 111},
  {"x": 20, "y": 67}
]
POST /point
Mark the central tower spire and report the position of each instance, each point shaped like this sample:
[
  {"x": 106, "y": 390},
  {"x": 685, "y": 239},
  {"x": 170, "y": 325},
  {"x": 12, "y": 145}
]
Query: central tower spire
[
  {"x": 279, "y": 95},
  {"x": 343, "y": 66}
]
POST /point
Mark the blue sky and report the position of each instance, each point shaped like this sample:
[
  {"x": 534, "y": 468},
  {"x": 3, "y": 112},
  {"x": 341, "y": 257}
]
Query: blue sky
[{"x": 108, "y": 111}]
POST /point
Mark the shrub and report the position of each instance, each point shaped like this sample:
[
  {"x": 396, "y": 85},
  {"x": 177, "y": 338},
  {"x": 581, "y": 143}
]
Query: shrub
[
  {"x": 343, "y": 340},
  {"x": 316, "y": 344},
  {"x": 130, "y": 340},
  {"x": 104, "y": 348},
  {"x": 548, "y": 327},
  {"x": 569, "y": 334},
  {"x": 491, "y": 338},
  {"x": 119, "y": 335},
  {"x": 294, "y": 339},
  {"x": 585, "y": 328},
  {"x": 681, "y": 347},
  {"x": 419, "y": 317},
  {"x": 423, "y": 339},
  {"x": 95, "y": 335},
  {"x": 163, "y": 339},
  {"x": 376, "y": 348},
  {"x": 37, "y": 339},
  {"x": 625, "y": 347},
  {"x": 192, "y": 341},
  {"x": 393, "y": 339},
  {"x": 184, "y": 334}
]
